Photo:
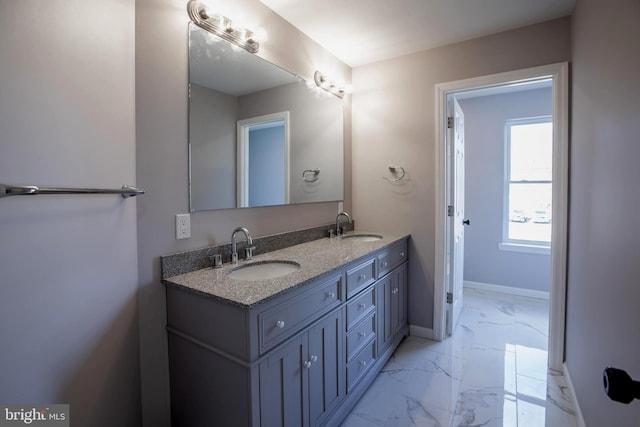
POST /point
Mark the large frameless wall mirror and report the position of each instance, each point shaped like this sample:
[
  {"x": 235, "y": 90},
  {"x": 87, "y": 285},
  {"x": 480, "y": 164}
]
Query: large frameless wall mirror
[{"x": 258, "y": 135}]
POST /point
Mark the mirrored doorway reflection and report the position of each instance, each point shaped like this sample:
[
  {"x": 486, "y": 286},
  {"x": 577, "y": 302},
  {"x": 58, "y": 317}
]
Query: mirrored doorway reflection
[{"x": 263, "y": 160}]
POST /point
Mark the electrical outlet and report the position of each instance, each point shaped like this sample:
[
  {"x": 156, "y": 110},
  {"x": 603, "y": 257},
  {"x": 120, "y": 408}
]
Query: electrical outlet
[{"x": 183, "y": 226}]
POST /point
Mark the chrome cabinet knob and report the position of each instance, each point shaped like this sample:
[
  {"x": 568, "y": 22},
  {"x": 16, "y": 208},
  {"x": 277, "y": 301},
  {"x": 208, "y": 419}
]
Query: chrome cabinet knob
[
  {"x": 362, "y": 305},
  {"x": 314, "y": 358},
  {"x": 363, "y": 363},
  {"x": 362, "y": 334},
  {"x": 385, "y": 264},
  {"x": 307, "y": 364},
  {"x": 331, "y": 295},
  {"x": 362, "y": 277},
  {"x": 402, "y": 254},
  {"x": 280, "y": 324}
]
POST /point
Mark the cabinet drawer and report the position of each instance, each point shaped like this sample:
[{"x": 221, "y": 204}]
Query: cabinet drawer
[
  {"x": 360, "y": 307},
  {"x": 360, "y": 335},
  {"x": 359, "y": 366},
  {"x": 360, "y": 277},
  {"x": 390, "y": 259},
  {"x": 280, "y": 322}
]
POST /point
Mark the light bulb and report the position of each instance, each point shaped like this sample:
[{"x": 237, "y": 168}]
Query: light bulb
[{"x": 260, "y": 35}]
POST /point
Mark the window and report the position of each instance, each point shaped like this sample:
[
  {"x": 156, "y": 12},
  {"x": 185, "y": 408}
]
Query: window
[{"x": 528, "y": 185}]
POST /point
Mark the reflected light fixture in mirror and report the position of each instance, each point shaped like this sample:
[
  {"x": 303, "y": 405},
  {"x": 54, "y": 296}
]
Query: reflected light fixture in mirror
[
  {"x": 324, "y": 82},
  {"x": 223, "y": 27}
]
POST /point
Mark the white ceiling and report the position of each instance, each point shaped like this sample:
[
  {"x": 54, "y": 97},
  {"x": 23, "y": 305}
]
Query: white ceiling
[{"x": 360, "y": 32}]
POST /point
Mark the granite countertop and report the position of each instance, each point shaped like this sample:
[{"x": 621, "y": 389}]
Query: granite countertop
[{"x": 315, "y": 258}]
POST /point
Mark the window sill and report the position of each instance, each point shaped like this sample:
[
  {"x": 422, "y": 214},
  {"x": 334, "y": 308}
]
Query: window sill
[{"x": 525, "y": 247}]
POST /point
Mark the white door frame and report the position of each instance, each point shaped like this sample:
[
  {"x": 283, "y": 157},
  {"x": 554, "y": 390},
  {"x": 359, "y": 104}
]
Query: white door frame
[{"x": 559, "y": 73}]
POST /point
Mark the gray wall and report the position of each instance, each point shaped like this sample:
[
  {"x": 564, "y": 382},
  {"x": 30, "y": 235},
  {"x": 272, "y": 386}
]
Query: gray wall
[
  {"x": 603, "y": 301},
  {"x": 484, "y": 120},
  {"x": 68, "y": 305},
  {"x": 393, "y": 123},
  {"x": 212, "y": 132},
  {"x": 162, "y": 164}
]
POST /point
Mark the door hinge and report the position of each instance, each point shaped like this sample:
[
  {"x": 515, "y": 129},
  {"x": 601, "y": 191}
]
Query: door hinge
[
  {"x": 449, "y": 298},
  {"x": 449, "y": 122},
  {"x": 449, "y": 210}
]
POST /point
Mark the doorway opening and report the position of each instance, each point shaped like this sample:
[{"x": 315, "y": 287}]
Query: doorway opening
[{"x": 448, "y": 284}]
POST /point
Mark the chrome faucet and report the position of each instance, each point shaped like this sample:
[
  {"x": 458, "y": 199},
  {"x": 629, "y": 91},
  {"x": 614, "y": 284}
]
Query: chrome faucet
[
  {"x": 338, "y": 232},
  {"x": 248, "y": 251}
]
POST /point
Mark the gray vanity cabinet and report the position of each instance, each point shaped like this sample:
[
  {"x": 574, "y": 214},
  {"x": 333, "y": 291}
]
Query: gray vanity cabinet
[
  {"x": 280, "y": 363},
  {"x": 302, "y": 381},
  {"x": 303, "y": 358}
]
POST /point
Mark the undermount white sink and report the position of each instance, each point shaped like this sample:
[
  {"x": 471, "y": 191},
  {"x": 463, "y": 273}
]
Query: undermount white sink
[
  {"x": 261, "y": 270},
  {"x": 362, "y": 237}
]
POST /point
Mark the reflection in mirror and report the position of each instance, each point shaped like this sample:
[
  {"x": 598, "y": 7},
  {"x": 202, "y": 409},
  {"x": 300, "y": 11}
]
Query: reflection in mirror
[
  {"x": 263, "y": 160},
  {"x": 255, "y": 131}
]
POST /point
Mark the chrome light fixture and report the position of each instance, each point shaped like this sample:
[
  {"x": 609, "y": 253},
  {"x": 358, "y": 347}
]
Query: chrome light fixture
[
  {"x": 222, "y": 27},
  {"x": 323, "y": 82}
]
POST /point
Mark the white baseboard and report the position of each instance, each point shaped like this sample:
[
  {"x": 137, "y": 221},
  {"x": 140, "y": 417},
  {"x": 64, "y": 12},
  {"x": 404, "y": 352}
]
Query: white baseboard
[
  {"x": 506, "y": 290},
  {"x": 419, "y": 331},
  {"x": 572, "y": 396}
]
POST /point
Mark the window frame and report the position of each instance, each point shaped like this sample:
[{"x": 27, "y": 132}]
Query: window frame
[{"x": 519, "y": 245}]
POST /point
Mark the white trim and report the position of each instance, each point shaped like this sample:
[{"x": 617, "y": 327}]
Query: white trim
[
  {"x": 559, "y": 73},
  {"x": 419, "y": 331},
  {"x": 489, "y": 287},
  {"x": 524, "y": 247},
  {"x": 573, "y": 397},
  {"x": 559, "y": 213}
]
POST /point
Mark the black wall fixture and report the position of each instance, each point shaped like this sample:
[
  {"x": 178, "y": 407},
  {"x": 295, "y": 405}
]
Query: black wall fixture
[{"x": 619, "y": 386}]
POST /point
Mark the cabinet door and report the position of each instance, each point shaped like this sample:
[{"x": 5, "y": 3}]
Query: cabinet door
[
  {"x": 326, "y": 367},
  {"x": 392, "y": 305},
  {"x": 400, "y": 278},
  {"x": 398, "y": 298},
  {"x": 385, "y": 308},
  {"x": 284, "y": 390}
]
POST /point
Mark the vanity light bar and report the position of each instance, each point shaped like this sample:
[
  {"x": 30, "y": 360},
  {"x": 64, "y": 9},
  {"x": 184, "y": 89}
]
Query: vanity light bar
[
  {"x": 322, "y": 81},
  {"x": 222, "y": 27}
]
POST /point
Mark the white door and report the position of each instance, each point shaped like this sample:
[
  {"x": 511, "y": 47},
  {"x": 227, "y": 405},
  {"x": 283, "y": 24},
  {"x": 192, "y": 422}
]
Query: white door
[{"x": 456, "y": 246}]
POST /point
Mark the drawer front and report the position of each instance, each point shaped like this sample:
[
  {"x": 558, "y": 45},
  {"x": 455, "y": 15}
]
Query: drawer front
[
  {"x": 280, "y": 322},
  {"x": 360, "y": 307},
  {"x": 360, "y": 335},
  {"x": 360, "y": 277},
  {"x": 360, "y": 365},
  {"x": 390, "y": 259}
]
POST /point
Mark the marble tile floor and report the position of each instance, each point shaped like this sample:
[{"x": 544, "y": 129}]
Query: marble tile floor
[{"x": 491, "y": 372}]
